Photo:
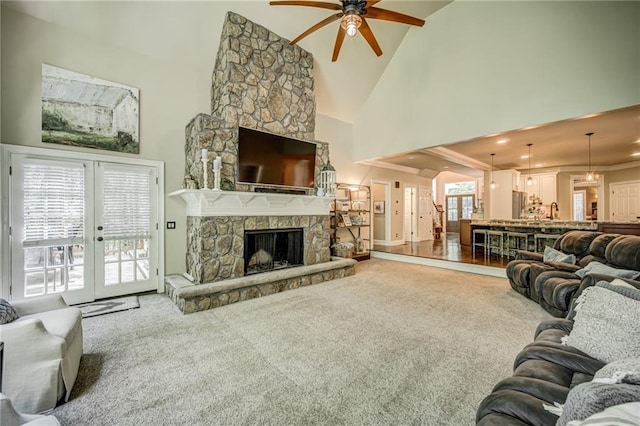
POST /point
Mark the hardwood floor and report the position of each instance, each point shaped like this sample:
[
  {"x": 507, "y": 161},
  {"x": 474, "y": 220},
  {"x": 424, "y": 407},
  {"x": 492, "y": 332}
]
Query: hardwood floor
[{"x": 446, "y": 248}]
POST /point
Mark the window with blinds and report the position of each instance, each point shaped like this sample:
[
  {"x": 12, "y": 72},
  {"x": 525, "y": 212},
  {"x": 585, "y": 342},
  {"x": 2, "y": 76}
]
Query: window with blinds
[
  {"x": 127, "y": 202},
  {"x": 54, "y": 203}
]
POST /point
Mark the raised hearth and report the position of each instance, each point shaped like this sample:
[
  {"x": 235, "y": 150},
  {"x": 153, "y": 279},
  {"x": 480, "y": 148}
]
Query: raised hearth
[{"x": 192, "y": 298}]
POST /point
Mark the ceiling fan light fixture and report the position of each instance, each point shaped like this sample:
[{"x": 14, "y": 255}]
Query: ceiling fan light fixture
[{"x": 351, "y": 22}]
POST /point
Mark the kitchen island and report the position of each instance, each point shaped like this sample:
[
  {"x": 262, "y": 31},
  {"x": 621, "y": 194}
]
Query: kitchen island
[{"x": 542, "y": 232}]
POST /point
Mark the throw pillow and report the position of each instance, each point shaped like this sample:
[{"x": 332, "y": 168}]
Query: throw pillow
[
  {"x": 553, "y": 255},
  {"x": 590, "y": 398},
  {"x": 599, "y": 268},
  {"x": 618, "y": 415},
  {"x": 606, "y": 325},
  {"x": 7, "y": 312}
]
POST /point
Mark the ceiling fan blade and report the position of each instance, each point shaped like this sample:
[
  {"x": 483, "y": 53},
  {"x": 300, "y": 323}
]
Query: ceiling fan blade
[
  {"x": 388, "y": 15},
  {"x": 339, "y": 40},
  {"x": 320, "y": 4},
  {"x": 317, "y": 26},
  {"x": 366, "y": 32},
  {"x": 371, "y": 3}
]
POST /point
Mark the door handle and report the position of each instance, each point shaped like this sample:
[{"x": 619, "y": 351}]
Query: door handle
[{"x": 99, "y": 238}]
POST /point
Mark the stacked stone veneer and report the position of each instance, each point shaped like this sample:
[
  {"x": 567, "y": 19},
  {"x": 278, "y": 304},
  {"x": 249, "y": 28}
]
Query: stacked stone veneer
[
  {"x": 215, "y": 245},
  {"x": 259, "y": 82}
]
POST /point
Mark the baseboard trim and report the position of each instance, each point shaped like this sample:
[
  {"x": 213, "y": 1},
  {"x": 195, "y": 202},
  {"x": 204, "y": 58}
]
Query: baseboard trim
[
  {"x": 443, "y": 264},
  {"x": 396, "y": 242}
]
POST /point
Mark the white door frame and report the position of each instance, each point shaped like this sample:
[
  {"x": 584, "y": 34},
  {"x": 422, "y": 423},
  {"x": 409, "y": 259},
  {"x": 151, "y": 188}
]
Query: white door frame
[
  {"x": 612, "y": 187},
  {"x": 425, "y": 218},
  {"x": 7, "y": 150},
  {"x": 387, "y": 214},
  {"x": 413, "y": 218}
]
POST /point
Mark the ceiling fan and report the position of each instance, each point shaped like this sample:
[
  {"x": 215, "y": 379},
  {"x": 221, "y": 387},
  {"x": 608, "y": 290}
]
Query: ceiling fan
[{"x": 352, "y": 18}]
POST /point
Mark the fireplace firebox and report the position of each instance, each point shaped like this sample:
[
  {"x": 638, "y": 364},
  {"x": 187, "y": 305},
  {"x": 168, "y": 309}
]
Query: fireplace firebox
[{"x": 271, "y": 249}]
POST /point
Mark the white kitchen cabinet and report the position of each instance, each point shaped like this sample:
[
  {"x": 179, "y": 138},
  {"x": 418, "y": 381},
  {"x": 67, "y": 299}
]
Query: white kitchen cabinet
[{"x": 544, "y": 187}]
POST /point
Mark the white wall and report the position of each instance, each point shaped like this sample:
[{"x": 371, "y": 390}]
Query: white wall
[
  {"x": 482, "y": 67},
  {"x": 169, "y": 98}
]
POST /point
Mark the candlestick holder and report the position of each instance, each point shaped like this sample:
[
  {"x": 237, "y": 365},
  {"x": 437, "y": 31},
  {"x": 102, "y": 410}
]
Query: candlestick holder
[
  {"x": 205, "y": 176},
  {"x": 216, "y": 180}
]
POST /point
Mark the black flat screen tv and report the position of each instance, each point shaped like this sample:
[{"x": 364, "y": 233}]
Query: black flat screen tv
[{"x": 264, "y": 158}]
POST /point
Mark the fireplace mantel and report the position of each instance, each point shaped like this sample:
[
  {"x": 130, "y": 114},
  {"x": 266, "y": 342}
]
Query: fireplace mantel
[{"x": 207, "y": 202}]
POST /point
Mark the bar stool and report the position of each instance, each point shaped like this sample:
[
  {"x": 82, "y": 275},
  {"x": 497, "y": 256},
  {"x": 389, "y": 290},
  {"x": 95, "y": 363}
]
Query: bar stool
[
  {"x": 545, "y": 238},
  {"x": 476, "y": 233},
  {"x": 495, "y": 240},
  {"x": 517, "y": 241}
]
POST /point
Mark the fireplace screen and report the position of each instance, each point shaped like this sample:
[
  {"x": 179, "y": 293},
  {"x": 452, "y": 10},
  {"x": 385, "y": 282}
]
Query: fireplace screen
[{"x": 268, "y": 250}]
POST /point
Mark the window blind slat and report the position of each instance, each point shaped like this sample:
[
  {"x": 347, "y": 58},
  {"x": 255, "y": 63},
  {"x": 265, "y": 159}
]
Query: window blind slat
[
  {"x": 53, "y": 201},
  {"x": 127, "y": 203}
]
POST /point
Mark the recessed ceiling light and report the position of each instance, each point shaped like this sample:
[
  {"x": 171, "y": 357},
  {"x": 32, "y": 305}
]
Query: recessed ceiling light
[
  {"x": 636, "y": 154},
  {"x": 501, "y": 141},
  {"x": 539, "y": 165},
  {"x": 524, "y": 157},
  {"x": 638, "y": 141},
  {"x": 445, "y": 167}
]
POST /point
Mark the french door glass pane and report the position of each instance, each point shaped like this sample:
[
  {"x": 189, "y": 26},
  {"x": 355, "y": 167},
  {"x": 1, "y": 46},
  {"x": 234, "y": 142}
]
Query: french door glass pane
[
  {"x": 126, "y": 261},
  {"x": 61, "y": 265}
]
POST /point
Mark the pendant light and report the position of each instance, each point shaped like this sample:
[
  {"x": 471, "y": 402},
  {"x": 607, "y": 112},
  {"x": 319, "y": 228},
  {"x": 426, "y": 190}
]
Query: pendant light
[
  {"x": 529, "y": 178},
  {"x": 590, "y": 176},
  {"x": 493, "y": 183}
]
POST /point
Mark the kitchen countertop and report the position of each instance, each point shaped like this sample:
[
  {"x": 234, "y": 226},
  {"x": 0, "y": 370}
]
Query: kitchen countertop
[{"x": 530, "y": 223}]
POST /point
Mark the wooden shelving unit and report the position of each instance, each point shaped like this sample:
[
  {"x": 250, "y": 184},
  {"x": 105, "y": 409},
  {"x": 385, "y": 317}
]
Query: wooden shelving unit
[{"x": 351, "y": 220}]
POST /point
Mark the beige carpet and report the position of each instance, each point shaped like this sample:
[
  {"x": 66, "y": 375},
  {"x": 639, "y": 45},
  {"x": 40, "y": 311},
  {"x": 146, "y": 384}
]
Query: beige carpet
[{"x": 394, "y": 344}]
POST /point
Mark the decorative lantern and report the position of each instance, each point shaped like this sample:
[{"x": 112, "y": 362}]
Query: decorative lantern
[{"x": 328, "y": 180}]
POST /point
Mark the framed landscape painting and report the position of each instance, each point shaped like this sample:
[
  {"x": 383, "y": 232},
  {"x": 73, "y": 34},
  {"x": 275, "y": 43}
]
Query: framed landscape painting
[{"x": 80, "y": 110}]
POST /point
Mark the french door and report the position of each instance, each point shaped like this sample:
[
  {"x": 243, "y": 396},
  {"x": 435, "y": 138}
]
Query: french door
[
  {"x": 83, "y": 229},
  {"x": 458, "y": 207}
]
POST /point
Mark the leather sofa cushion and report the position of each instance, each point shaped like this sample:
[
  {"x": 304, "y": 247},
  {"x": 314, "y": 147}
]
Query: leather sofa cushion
[
  {"x": 598, "y": 246},
  {"x": 624, "y": 252},
  {"x": 64, "y": 323},
  {"x": 576, "y": 242}
]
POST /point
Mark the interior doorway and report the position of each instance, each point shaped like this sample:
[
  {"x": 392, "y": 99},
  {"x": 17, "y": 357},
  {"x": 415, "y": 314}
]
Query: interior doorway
[
  {"x": 625, "y": 201},
  {"x": 585, "y": 198}
]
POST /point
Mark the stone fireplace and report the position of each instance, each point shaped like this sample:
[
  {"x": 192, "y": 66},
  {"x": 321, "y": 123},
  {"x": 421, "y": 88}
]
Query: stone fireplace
[{"x": 259, "y": 82}]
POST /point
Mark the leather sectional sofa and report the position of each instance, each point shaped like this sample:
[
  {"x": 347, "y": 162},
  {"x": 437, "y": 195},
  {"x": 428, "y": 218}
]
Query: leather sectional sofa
[
  {"x": 519, "y": 270},
  {"x": 555, "y": 285},
  {"x": 545, "y": 371}
]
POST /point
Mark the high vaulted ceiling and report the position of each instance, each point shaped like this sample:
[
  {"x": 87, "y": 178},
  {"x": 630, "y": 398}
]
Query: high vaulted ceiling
[{"x": 188, "y": 32}]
